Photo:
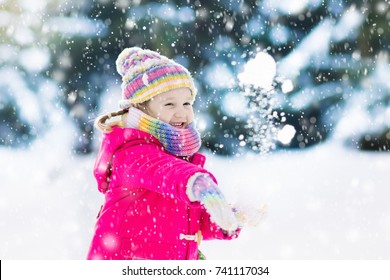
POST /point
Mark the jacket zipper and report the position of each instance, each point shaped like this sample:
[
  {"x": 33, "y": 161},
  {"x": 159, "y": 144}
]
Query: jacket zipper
[{"x": 188, "y": 232}]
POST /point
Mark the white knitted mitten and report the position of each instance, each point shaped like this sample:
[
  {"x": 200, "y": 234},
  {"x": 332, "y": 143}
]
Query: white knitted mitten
[{"x": 205, "y": 190}]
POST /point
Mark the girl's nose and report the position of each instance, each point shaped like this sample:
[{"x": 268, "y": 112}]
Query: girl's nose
[{"x": 180, "y": 112}]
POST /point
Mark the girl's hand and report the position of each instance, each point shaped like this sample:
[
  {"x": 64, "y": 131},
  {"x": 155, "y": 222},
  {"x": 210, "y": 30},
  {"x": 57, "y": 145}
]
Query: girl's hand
[
  {"x": 206, "y": 191},
  {"x": 220, "y": 211}
]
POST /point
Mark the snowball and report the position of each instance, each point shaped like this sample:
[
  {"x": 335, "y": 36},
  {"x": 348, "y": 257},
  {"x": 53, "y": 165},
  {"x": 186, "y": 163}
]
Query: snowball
[
  {"x": 286, "y": 134},
  {"x": 259, "y": 72}
]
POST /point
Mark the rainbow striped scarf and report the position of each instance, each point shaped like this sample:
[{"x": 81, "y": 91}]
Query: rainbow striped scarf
[{"x": 177, "y": 141}]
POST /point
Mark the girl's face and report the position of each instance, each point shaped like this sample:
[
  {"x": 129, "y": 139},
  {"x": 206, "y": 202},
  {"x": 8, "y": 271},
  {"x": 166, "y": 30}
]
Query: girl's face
[{"x": 173, "y": 107}]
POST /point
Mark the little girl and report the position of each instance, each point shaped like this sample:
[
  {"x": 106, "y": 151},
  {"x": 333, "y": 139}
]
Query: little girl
[{"x": 159, "y": 200}]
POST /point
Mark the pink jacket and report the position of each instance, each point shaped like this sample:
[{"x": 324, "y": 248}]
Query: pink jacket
[{"x": 146, "y": 211}]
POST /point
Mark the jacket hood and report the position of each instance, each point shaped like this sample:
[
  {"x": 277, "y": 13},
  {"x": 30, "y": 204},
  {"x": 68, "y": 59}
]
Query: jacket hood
[{"x": 111, "y": 142}]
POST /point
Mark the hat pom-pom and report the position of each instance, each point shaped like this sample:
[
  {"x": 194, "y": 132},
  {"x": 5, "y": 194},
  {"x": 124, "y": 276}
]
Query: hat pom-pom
[{"x": 125, "y": 58}]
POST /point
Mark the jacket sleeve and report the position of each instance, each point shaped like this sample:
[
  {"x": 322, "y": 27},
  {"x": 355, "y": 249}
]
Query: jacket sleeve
[{"x": 149, "y": 166}]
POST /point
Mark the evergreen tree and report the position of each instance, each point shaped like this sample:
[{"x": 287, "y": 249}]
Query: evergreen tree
[{"x": 27, "y": 96}]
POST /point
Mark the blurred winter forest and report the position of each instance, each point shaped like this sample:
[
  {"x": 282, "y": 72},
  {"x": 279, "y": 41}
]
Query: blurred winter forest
[{"x": 59, "y": 55}]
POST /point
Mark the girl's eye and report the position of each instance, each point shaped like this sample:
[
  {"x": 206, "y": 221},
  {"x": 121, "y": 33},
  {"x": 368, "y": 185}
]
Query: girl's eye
[
  {"x": 187, "y": 104},
  {"x": 169, "y": 104}
]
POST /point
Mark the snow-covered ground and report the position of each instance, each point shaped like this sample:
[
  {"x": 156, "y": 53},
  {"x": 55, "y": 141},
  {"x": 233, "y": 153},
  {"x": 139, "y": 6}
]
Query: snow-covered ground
[{"x": 323, "y": 203}]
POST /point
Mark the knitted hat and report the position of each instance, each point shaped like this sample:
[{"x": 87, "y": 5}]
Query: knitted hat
[{"x": 146, "y": 73}]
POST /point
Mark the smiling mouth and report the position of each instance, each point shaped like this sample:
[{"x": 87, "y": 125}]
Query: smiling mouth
[{"x": 178, "y": 124}]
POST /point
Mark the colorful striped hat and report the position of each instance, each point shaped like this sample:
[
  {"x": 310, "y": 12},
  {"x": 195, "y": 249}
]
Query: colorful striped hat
[{"x": 146, "y": 73}]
